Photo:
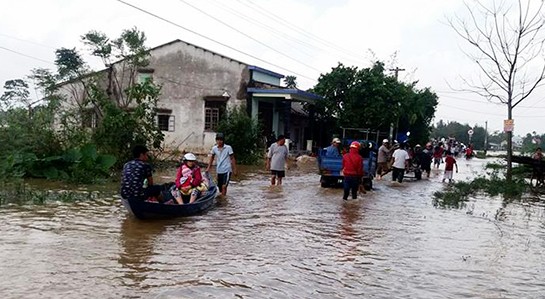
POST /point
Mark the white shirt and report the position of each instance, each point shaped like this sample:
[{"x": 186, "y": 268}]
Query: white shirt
[
  {"x": 224, "y": 158},
  {"x": 400, "y": 156}
]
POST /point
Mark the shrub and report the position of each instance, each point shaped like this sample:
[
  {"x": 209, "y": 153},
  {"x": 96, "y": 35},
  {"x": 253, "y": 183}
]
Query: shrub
[
  {"x": 243, "y": 134},
  {"x": 78, "y": 165}
]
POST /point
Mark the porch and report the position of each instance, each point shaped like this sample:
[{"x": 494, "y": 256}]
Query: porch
[{"x": 281, "y": 112}]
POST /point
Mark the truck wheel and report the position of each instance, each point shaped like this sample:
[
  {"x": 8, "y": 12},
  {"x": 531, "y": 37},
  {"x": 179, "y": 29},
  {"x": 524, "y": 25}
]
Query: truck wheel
[{"x": 325, "y": 182}]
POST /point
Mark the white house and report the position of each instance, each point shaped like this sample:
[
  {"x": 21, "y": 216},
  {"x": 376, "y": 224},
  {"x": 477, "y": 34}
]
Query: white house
[{"x": 198, "y": 85}]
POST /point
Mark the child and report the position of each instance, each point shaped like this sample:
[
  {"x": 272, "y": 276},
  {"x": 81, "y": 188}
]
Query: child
[
  {"x": 437, "y": 156},
  {"x": 450, "y": 162},
  {"x": 189, "y": 180}
]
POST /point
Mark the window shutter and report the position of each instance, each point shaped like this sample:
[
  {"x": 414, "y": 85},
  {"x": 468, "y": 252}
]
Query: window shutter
[{"x": 171, "y": 123}]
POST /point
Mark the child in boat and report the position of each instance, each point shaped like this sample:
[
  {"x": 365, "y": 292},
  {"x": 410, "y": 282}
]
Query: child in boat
[{"x": 189, "y": 181}]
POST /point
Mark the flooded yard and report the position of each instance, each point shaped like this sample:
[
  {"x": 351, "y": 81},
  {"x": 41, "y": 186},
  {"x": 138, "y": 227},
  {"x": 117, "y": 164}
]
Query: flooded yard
[{"x": 294, "y": 241}]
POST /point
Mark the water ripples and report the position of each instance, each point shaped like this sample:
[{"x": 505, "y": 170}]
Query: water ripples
[{"x": 294, "y": 241}]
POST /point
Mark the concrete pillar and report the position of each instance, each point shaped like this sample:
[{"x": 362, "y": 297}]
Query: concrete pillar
[
  {"x": 255, "y": 108},
  {"x": 276, "y": 120},
  {"x": 309, "y": 145},
  {"x": 287, "y": 118}
]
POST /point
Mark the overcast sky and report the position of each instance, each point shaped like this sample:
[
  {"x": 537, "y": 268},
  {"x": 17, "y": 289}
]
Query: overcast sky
[{"x": 299, "y": 37}]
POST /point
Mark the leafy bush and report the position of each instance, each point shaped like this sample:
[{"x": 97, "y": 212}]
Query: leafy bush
[
  {"x": 78, "y": 165},
  {"x": 121, "y": 129},
  {"x": 23, "y": 131},
  {"x": 494, "y": 185},
  {"x": 243, "y": 134}
]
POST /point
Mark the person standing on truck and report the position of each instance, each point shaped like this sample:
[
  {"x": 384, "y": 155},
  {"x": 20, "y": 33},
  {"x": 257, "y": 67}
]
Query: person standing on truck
[
  {"x": 382, "y": 159},
  {"x": 352, "y": 170},
  {"x": 277, "y": 158},
  {"x": 401, "y": 162},
  {"x": 333, "y": 150}
]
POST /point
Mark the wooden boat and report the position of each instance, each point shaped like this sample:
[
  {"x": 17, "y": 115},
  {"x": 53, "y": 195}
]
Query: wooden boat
[{"x": 147, "y": 210}]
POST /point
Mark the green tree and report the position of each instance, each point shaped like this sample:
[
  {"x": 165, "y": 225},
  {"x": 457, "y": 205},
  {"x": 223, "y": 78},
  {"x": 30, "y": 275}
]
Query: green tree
[
  {"x": 243, "y": 134},
  {"x": 15, "y": 93},
  {"x": 290, "y": 81},
  {"x": 124, "y": 104},
  {"x": 369, "y": 98},
  {"x": 459, "y": 132},
  {"x": 21, "y": 130}
]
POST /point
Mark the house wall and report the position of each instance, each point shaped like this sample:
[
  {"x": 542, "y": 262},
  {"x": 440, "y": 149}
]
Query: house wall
[
  {"x": 188, "y": 74},
  {"x": 265, "y": 78},
  {"x": 73, "y": 95}
]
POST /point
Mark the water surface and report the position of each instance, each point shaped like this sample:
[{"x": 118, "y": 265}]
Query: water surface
[{"x": 294, "y": 241}]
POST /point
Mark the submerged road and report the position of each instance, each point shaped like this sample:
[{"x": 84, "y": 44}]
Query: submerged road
[{"x": 294, "y": 241}]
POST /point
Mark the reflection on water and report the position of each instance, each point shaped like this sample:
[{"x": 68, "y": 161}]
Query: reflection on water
[
  {"x": 293, "y": 241},
  {"x": 137, "y": 246}
]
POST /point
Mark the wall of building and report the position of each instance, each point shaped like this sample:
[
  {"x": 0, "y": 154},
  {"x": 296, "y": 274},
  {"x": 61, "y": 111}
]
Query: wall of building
[
  {"x": 188, "y": 74},
  {"x": 265, "y": 78}
]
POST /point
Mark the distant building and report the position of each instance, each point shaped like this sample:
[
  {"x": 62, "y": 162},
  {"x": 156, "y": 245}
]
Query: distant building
[{"x": 198, "y": 85}]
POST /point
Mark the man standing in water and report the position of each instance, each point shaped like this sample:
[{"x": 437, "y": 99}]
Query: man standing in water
[
  {"x": 137, "y": 180},
  {"x": 401, "y": 162},
  {"x": 352, "y": 169},
  {"x": 226, "y": 162},
  {"x": 382, "y": 159},
  {"x": 277, "y": 158}
]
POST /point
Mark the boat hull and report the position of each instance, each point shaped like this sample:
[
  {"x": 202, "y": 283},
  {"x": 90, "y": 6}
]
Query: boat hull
[{"x": 151, "y": 210}]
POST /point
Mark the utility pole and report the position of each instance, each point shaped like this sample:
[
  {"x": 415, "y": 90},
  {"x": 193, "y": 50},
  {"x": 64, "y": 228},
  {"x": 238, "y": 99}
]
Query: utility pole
[
  {"x": 485, "y": 137},
  {"x": 396, "y": 71}
]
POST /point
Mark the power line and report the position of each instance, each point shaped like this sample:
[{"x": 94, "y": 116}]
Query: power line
[
  {"x": 248, "y": 36},
  {"x": 212, "y": 40},
  {"x": 27, "y": 56},
  {"x": 468, "y": 100},
  {"x": 493, "y": 114},
  {"x": 278, "y": 33},
  {"x": 292, "y": 26},
  {"x": 254, "y": 21},
  {"x": 26, "y": 41},
  {"x": 488, "y": 102}
]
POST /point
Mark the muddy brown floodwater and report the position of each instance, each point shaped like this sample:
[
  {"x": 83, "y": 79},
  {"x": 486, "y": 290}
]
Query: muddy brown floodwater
[{"x": 295, "y": 241}]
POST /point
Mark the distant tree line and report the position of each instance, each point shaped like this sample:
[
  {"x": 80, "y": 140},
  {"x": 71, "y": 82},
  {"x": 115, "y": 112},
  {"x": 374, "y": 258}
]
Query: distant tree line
[{"x": 459, "y": 131}]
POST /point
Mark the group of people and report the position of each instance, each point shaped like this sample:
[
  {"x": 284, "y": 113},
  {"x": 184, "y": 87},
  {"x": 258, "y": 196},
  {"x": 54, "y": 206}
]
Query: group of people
[
  {"x": 137, "y": 179},
  {"x": 399, "y": 158},
  {"x": 189, "y": 185}
]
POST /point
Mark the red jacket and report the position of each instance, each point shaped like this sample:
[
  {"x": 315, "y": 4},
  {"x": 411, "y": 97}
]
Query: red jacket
[
  {"x": 188, "y": 177},
  {"x": 353, "y": 163}
]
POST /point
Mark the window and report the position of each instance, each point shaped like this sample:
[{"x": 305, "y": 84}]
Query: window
[
  {"x": 89, "y": 118},
  {"x": 213, "y": 112},
  {"x": 144, "y": 75},
  {"x": 165, "y": 120}
]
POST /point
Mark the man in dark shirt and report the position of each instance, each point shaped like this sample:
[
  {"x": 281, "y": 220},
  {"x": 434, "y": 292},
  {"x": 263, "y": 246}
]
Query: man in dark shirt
[{"x": 137, "y": 180}]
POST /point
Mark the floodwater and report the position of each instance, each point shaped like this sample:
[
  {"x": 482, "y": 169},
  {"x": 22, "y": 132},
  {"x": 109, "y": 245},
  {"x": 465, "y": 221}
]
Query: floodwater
[{"x": 294, "y": 241}]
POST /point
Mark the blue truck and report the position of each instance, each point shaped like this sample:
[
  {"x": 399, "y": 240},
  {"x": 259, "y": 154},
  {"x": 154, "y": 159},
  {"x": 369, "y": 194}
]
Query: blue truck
[{"x": 330, "y": 167}]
